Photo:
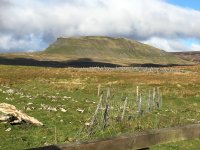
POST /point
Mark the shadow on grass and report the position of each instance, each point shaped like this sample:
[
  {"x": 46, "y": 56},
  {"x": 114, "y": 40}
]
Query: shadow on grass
[
  {"x": 78, "y": 63},
  {"x": 82, "y": 62}
]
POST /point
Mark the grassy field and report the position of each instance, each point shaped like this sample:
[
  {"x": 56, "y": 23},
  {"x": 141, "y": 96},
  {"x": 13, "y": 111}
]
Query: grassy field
[{"x": 44, "y": 92}]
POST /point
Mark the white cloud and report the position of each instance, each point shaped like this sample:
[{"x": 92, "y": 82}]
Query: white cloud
[
  {"x": 172, "y": 45},
  {"x": 28, "y": 43},
  {"x": 195, "y": 47},
  {"x": 38, "y": 22}
]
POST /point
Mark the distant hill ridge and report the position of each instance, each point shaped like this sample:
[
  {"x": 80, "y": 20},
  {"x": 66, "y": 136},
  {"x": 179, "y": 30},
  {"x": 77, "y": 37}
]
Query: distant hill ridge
[
  {"x": 189, "y": 56},
  {"x": 108, "y": 49}
]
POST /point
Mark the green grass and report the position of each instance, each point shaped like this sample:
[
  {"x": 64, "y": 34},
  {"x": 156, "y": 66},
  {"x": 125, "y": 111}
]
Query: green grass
[{"x": 75, "y": 88}]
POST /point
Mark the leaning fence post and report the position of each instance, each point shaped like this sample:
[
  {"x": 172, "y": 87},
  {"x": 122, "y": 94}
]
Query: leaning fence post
[
  {"x": 99, "y": 88},
  {"x": 158, "y": 98},
  {"x": 106, "y": 112},
  {"x": 154, "y": 95},
  {"x": 124, "y": 108},
  {"x": 140, "y": 104},
  {"x": 148, "y": 101},
  {"x": 137, "y": 93},
  {"x": 95, "y": 114}
]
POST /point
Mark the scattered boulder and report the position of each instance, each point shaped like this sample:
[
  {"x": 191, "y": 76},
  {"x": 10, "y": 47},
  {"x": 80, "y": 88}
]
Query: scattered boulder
[{"x": 13, "y": 116}]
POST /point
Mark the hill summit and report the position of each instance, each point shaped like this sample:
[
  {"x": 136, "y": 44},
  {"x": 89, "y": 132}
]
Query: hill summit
[{"x": 113, "y": 50}]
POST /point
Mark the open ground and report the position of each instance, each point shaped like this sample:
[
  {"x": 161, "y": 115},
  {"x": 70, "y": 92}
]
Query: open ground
[{"x": 64, "y": 99}]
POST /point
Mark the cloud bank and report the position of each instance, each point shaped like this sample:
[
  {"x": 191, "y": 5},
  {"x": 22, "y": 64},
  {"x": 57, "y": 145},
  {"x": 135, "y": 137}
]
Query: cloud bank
[{"x": 31, "y": 25}]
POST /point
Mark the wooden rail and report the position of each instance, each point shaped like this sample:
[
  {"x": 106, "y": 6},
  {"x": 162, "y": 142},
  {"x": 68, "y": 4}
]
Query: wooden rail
[{"x": 140, "y": 140}]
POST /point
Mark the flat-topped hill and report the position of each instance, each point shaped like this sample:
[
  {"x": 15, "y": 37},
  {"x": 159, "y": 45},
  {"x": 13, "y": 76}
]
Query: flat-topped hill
[{"x": 106, "y": 49}]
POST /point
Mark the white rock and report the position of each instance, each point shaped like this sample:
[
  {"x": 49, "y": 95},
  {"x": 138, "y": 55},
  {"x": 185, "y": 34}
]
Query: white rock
[
  {"x": 7, "y": 130},
  {"x": 28, "y": 109},
  {"x": 30, "y": 104},
  {"x": 4, "y": 118},
  {"x": 10, "y": 91},
  {"x": 80, "y": 110},
  {"x": 63, "y": 110},
  {"x": 66, "y": 97},
  {"x": 87, "y": 123},
  {"x": 52, "y": 109}
]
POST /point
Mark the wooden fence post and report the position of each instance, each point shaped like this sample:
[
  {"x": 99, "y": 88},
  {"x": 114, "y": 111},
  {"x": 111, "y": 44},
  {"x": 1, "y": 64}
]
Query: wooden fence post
[
  {"x": 154, "y": 95},
  {"x": 95, "y": 114},
  {"x": 137, "y": 93},
  {"x": 124, "y": 108},
  {"x": 106, "y": 112},
  {"x": 99, "y": 89},
  {"x": 140, "y": 104}
]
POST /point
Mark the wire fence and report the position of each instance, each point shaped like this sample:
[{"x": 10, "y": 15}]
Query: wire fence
[{"x": 110, "y": 109}]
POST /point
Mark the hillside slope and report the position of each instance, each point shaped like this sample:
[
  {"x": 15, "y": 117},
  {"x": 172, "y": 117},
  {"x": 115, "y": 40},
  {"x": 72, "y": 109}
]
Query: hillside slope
[
  {"x": 116, "y": 50},
  {"x": 189, "y": 56}
]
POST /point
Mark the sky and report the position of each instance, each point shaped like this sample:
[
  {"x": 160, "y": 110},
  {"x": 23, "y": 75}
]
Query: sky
[
  {"x": 31, "y": 25},
  {"x": 193, "y": 4}
]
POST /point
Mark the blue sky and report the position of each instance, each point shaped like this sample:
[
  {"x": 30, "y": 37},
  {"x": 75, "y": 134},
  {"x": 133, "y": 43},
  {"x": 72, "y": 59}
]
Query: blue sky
[
  {"x": 189, "y": 4},
  {"x": 31, "y": 25},
  {"x": 194, "y": 4}
]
